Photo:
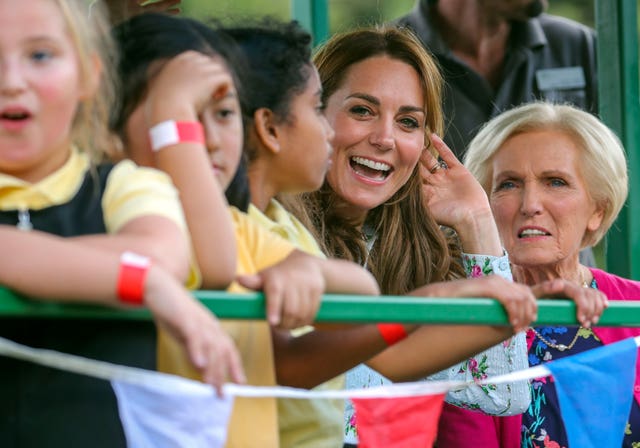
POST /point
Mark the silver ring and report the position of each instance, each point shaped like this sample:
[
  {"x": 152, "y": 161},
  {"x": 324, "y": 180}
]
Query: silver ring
[{"x": 437, "y": 166}]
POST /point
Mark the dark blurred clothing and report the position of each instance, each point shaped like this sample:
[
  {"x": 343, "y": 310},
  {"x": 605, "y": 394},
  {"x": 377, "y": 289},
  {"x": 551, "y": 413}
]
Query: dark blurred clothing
[{"x": 548, "y": 58}]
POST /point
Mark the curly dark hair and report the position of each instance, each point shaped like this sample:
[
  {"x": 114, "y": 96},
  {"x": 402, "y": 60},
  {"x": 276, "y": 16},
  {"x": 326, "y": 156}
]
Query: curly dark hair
[{"x": 278, "y": 55}]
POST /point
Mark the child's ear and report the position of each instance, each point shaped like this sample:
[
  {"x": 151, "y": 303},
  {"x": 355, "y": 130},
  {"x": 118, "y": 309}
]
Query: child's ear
[
  {"x": 91, "y": 82},
  {"x": 266, "y": 129}
]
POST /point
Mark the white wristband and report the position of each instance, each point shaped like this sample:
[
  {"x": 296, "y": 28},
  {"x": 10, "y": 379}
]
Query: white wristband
[{"x": 171, "y": 132}]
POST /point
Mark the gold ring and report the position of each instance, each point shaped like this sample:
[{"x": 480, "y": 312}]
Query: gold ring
[{"x": 435, "y": 167}]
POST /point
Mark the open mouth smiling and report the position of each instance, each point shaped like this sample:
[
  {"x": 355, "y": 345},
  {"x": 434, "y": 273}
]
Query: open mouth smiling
[{"x": 370, "y": 169}]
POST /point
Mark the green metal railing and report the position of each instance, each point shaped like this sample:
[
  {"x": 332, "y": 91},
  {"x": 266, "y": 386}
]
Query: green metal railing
[{"x": 341, "y": 308}]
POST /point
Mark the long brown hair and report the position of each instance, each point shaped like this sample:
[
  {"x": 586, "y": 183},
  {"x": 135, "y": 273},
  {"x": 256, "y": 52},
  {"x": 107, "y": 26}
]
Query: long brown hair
[{"x": 410, "y": 249}]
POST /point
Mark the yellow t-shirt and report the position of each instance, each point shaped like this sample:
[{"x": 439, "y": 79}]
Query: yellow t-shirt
[
  {"x": 254, "y": 421},
  {"x": 130, "y": 192},
  {"x": 278, "y": 220},
  {"x": 304, "y": 423}
]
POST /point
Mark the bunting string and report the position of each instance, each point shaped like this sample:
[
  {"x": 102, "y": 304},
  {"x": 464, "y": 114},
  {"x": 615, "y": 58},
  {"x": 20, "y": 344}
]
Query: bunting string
[
  {"x": 193, "y": 415},
  {"x": 132, "y": 375}
]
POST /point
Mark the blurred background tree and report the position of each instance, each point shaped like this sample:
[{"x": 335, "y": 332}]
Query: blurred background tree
[{"x": 345, "y": 14}]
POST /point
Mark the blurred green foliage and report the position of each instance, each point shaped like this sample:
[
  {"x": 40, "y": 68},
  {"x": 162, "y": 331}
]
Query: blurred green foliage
[
  {"x": 345, "y": 14},
  {"x": 235, "y": 10}
]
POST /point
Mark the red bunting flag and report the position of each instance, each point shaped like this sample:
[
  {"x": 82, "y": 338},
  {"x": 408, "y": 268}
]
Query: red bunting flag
[{"x": 400, "y": 422}]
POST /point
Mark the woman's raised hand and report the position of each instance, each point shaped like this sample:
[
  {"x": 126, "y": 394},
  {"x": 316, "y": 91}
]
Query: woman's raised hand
[
  {"x": 450, "y": 191},
  {"x": 456, "y": 199}
]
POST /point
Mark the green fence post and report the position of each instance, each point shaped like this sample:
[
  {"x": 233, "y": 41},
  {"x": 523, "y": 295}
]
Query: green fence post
[
  {"x": 314, "y": 16},
  {"x": 618, "y": 77}
]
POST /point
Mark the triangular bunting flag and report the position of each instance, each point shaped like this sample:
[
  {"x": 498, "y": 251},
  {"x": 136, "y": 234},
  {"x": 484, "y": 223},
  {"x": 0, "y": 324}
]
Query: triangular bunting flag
[
  {"x": 172, "y": 412},
  {"x": 402, "y": 422},
  {"x": 595, "y": 391}
]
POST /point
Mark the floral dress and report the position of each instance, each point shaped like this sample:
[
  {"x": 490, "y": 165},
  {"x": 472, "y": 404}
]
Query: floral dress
[
  {"x": 542, "y": 423},
  {"x": 506, "y": 357}
]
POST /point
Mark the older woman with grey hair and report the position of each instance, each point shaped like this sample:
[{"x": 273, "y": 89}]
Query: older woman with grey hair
[{"x": 556, "y": 178}]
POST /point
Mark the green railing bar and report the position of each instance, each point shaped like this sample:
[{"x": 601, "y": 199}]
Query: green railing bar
[{"x": 341, "y": 308}]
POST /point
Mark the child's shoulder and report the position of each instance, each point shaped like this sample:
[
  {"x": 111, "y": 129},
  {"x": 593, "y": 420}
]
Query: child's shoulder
[
  {"x": 127, "y": 170},
  {"x": 126, "y": 178},
  {"x": 258, "y": 240},
  {"x": 133, "y": 191}
]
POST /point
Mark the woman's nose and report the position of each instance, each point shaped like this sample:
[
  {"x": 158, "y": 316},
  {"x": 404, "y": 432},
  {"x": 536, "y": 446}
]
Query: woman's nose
[
  {"x": 382, "y": 136},
  {"x": 531, "y": 202}
]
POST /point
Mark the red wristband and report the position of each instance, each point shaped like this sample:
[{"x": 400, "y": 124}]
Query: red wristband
[
  {"x": 171, "y": 132},
  {"x": 133, "y": 271},
  {"x": 392, "y": 333}
]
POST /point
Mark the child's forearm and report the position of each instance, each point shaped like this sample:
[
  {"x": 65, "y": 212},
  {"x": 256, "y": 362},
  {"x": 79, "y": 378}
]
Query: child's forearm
[
  {"x": 155, "y": 237},
  {"x": 345, "y": 277},
  {"x": 49, "y": 267}
]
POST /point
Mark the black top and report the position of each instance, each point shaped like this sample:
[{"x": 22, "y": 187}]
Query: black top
[{"x": 45, "y": 407}]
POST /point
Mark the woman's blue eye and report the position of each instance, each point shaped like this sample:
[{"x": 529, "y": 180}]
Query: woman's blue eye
[
  {"x": 506, "y": 185},
  {"x": 41, "y": 55},
  {"x": 557, "y": 183}
]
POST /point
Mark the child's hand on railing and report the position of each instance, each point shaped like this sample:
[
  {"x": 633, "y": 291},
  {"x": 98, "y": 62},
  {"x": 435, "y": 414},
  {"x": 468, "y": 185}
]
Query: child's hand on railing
[
  {"x": 210, "y": 348},
  {"x": 293, "y": 289}
]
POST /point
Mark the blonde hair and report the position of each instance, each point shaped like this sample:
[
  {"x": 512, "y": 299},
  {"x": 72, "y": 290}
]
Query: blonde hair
[
  {"x": 88, "y": 26},
  {"x": 602, "y": 162},
  {"x": 410, "y": 249}
]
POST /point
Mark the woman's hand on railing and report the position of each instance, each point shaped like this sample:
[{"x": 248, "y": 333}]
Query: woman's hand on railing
[
  {"x": 518, "y": 300},
  {"x": 590, "y": 303}
]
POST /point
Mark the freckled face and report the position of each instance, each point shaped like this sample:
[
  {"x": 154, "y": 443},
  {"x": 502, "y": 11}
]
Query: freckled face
[
  {"x": 540, "y": 199},
  {"x": 378, "y": 118}
]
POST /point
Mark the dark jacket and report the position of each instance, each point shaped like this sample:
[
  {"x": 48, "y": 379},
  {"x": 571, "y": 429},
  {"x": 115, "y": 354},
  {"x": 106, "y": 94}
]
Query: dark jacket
[{"x": 547, "y": 57}]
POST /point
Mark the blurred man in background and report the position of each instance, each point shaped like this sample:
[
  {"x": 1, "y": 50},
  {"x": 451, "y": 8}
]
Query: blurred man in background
[{"x": 496, "y": 54}]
